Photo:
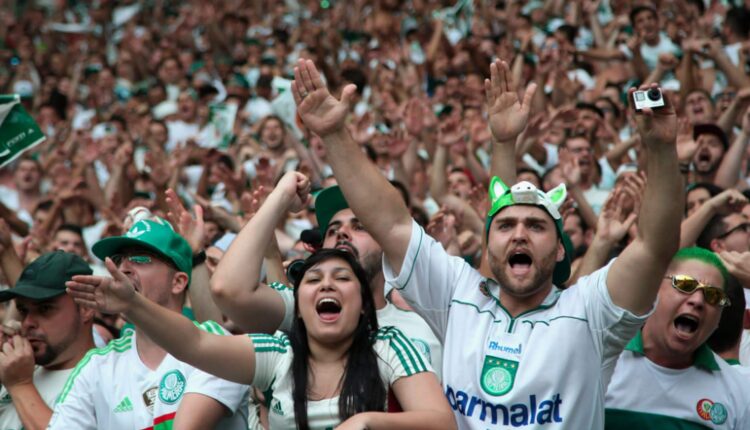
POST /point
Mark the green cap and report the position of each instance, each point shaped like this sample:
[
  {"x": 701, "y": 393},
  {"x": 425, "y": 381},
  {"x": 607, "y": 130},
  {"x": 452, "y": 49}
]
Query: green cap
[
  {"x": 525, "y": 193},
  {"x": 327, "y": 204},
  {"x": 156, "y": 235},
  {"x": 45, "y": 277}
]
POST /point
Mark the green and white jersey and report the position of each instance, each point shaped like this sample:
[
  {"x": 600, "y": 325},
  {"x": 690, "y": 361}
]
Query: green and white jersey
[
  {"x": 397, "y": 358},
  {"x": 48, "y": 383},
  {"x": 743, "y": 370},
  {"x": 547, "y": 368},
  {"x": 411, "y": 324},
  {"x": 112, "y": 389},
  {"x": 711, "y": 394}
]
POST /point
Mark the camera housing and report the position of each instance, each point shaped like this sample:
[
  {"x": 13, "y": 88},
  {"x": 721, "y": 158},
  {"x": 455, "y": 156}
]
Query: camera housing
[{"x": 651, "y": 98}]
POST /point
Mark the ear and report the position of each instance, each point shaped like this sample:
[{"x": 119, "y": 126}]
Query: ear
[
  {"x": 179, "y": 282},
  {"x": 560, "y": 251},
  {"x": 557, "y": 195},
  {"x": 87, "y": 314},
  {"x": 588, "y": 236},
  {"x": 497, "y": 188},
  {"x": 716, "y": 245}
]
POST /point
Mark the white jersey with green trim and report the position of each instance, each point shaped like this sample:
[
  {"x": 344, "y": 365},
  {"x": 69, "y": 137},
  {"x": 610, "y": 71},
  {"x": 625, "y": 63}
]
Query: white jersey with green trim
[
  {"x": 112, "y": 389},
  {"x": 547, "y": 368},
  {"x": 643, "y": 395},
  {"x": 410, "y": 323},
  {"x": 49, "y": 384},
  {"x": 397, "y": 358}
]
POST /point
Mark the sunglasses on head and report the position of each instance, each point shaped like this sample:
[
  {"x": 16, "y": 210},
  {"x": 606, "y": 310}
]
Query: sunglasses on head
[{"x": 714, "y": 296}]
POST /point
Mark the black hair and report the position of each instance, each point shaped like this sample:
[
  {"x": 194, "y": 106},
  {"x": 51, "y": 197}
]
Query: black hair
[
  {"x": 712, "y": 189},
  {"x": 699, "y": 4},
  {"x": 361, "y": 387},
  {"x": 226, "y": 160},
  {"x": 738, "y": 20},
  {"x": 355, "y": 76},
  {"x": 71, "y": 228},
  {"x": 590, "y": 106},
  {"x": 529, "y": 171},
  {"x": 713, "y": 229},
  {"x": 638, "y": 9},
  {"x": 612, "y": 105},
  {"x": 729, "y": 331},
  {"x": 568, "y": 31},
  {"x": 401, "y": 189}
]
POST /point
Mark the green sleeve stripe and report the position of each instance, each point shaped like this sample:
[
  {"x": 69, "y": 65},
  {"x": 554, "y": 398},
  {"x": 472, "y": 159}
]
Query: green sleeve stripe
[
  {"x": 119, "y": 345},
  {"x": 411, "y": 350},
  {"x": 413, "y": 262},
  {"x": 262, "y": 349},
  {"x": 408, "y": 355},
  {"x": 205, "y": 327},
  {"x": 620, "y": 419},
  {"x": 214, "y": 327},
  {"x": 278, "y": 286}
]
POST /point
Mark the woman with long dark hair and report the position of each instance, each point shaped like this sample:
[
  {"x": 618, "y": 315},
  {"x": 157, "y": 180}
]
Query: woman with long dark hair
[{"x": 335, "y": 368}]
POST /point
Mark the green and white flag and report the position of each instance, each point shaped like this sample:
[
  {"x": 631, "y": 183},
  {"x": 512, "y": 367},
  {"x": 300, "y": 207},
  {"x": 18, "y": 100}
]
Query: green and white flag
[
  {"x": 18, "y": 130},
  {"x": 221, "y": 117}
]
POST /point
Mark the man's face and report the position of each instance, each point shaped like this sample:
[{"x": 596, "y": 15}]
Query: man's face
[
  {"x": 347, "y": 233},
  {"x": 698, "y": 108},
  {"x": 695, "y": 199},
  {"x": 157, "y": 133},
  {"x": 709, "y": 154},
  {"x": 580, "y": 148},
  {"x": 573, "y": 227},
  {"x": 27, "y": 176},
  {"x": 169, "y": 72},
  {"x": 69, "y": 241},
  {"x": 151, "y": 276},
  {"x": 51, "y": 326},
  {"x": 683, "y": 322},
  {"x": 272, "y": 134},
  {"x": 459, "y": 184},
  {"x": 646, "y": 25},
  {"x": 523, "y": 249},
  {"x": 736, "y": 235},
  {"x": 587, "y": 121}
]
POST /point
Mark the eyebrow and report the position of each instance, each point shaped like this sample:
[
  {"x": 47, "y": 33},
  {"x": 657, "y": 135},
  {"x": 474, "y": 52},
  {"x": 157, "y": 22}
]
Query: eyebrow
[{"x": 525, "y": 220}]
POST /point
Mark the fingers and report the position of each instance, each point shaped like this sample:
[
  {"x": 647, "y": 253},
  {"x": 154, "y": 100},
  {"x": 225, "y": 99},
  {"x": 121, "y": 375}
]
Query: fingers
[
  {"x": 307, "y": 79},
  {"x": 528, "y": 96},
  {"x": 114, "y": 271},
  {"x": 347, "y": 94},
  {"x": 507, "y": 78},
  {"x": 295, "y": 89}
]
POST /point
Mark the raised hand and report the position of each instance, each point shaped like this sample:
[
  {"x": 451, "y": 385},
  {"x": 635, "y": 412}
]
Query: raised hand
[
  {"x": 728, "y": 201},
  {"x": 108, "y": 295},
  {"x": 613, "y": 225},
  {"x": 17, "y": 362},
  {"x": 656, "y": 126},
  {"x": 738, "y": 264},
  {"x": 319, "y": 110},
  {"x": 507, "y": 114},
  {"x": 192, "y": 229},
  {"x": 442, "y": 227},
  {"x": 296, "y": 186}
]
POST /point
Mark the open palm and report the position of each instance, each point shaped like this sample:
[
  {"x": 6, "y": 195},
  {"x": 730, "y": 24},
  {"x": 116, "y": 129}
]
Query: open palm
[
  {"x": 108, "y": 295},
  {"x": 507, "y": 114},
  {"x": 319, "y": 110}
]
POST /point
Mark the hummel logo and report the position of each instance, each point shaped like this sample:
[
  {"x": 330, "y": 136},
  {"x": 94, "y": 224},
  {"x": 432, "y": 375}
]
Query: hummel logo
[{"x": 124, "y": 406}]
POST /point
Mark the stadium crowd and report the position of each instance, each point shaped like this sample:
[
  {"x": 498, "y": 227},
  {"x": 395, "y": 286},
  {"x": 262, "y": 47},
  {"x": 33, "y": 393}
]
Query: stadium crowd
[{"x": 389, "y": 214}]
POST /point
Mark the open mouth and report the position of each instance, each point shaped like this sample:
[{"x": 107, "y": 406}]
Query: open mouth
[
  {"x": 686, "y": 324},
  {"x": 328, "y": 309},
  {"x": 348, "y": 247},
  {"x": 520, "y": 263}
]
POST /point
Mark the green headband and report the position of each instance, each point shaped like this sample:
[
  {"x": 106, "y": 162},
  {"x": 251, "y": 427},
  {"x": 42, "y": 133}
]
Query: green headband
[{"x": 525, "y": 193}]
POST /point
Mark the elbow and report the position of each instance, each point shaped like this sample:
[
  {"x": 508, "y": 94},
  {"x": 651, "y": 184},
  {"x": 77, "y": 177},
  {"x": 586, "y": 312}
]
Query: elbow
[{"x": 219, "y": 288}]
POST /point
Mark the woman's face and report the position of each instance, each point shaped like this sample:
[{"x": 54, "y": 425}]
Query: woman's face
[{"x": 330, "y": 301}]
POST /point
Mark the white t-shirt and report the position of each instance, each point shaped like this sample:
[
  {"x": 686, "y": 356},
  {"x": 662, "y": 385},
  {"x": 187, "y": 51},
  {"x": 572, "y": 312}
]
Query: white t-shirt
[
  {"x": 411, "y": 324},
  {"x": 48, "y": 383},
  {"x": 745, "y": 348},
  {"x": 546, "y": 368},
  {"x": 644, "y": 395},
  {"x": 650, "y": 54},
  {"x": 10, "y": 198},
  {"x": 397, "y": 357},
  {"x": 112, "y": 389}
]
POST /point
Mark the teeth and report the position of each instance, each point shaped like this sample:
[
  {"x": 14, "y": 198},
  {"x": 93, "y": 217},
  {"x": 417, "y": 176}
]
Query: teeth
[{"x": 329, "y": 300}]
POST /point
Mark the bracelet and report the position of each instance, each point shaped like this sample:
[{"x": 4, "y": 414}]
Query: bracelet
[{"x": 199, "y": 258}]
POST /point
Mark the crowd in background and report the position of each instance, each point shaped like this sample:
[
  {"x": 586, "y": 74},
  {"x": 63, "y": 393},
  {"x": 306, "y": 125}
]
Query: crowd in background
[{"x": 138, "y": 97}]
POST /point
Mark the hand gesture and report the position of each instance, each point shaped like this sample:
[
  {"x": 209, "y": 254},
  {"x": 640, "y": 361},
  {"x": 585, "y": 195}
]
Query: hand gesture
[
  {"x": 450, "y": 133},
  {"x": 192, "y": 229},
  {"x": 570, "y": 169},
  {"x": 667, "y": 61},
  {"x": 507, "y": 114},
  {"x": 656, "y": 127},
  {"x": 17, "y": 362},
  {"x": 319, "y": 110},
  {"x": 296, "y": 187},
  {"x": 109, "y": 295},
  {"x": 413, "y": 117},
  {"x": 728, "y": 201},
  {"x": 442, "y": 227},
  {"x": 738, "y": 264},
  {"x": 612, "y": 225}
]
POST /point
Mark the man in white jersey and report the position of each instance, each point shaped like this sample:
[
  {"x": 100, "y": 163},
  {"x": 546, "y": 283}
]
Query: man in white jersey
[
  {"x": 667, "y": 377},
  {"x": 518, "y": 352},
  {"x": 132, "y": 383},
  {"x": 55, "y": 335},
  {"x": 258, "y": 308}
]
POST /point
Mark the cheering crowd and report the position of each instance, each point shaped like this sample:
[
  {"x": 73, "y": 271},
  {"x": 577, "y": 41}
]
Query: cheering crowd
[{"x": 377, "y": 215}]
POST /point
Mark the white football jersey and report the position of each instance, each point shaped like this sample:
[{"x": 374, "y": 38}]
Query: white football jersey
[
  {"x": 546, "y": 368},
  {"x": 111, "y": 388}
]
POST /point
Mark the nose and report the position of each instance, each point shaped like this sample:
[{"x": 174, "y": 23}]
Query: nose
[
  {"x": 29, "y": 322},
  {"x": 520, "y": 234},
  {"x": 697, "y": 300},
  {"x": 343, "y": 233}
]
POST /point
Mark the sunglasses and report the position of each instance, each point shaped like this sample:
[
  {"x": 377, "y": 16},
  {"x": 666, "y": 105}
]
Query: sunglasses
[
  {"x": 714, "y": 296},
  {"x": 745, "y": 227}
]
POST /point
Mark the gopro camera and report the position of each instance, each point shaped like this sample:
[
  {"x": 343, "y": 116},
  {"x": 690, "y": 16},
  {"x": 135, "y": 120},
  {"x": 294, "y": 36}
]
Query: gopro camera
[{"x": 648, "y": 99}]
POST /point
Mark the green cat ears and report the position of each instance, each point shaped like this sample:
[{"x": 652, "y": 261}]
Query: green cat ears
[{"x": 525, "y": 193}]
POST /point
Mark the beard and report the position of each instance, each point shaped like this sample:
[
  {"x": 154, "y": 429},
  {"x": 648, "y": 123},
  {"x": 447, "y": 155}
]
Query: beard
[
  {"x": 373, "y": 264},
  {"x": 543, "y": 270}
]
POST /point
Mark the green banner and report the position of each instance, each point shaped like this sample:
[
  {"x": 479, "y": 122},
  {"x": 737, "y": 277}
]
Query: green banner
[{"x": 18, "y": 130}]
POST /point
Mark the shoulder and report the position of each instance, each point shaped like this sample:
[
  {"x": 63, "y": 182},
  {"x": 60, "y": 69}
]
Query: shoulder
[
  {"x": 211, "y": 326},
  {"x": 278, "y": 286},
  {"x": 279, "y": 342},
  {"x": 393, "y": 347}
]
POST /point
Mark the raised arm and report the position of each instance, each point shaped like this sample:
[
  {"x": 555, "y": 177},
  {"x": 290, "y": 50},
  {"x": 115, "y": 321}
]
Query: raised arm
[
  {"x": 508, "y": 117},
  {"x": 634, "y": 278},
  {"x": 373, "y": 199},
  {"x": 236, "y": 285},
  {"x": 173, "y": 332},
  {"x": 729, "y": 170}
]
